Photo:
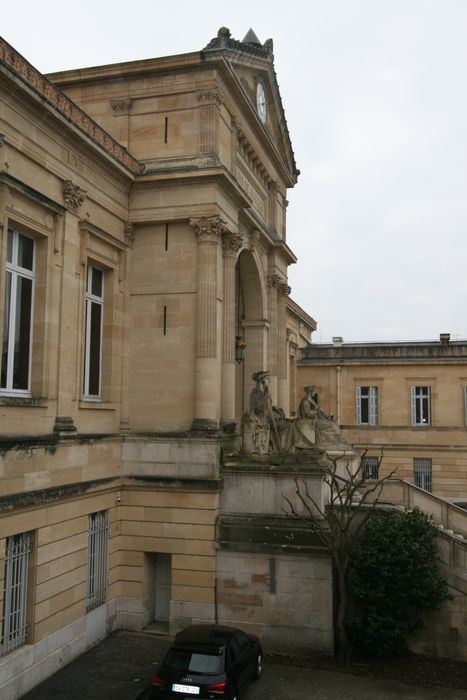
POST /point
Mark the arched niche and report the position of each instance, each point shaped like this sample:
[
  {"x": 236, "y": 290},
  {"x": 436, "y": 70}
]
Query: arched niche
[{"x": 250, "y": 324}]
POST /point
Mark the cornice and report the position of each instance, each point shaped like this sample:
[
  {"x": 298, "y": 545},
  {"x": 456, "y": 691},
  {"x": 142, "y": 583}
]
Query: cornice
[
  {"x": 86, "y": 226},
  {"x": 47, "y": 91},
  {"x": 31, "y": 193}
]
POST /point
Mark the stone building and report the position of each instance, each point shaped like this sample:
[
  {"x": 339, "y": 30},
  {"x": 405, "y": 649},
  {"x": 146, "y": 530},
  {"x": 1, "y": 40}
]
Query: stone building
[
  {"x": 143, "y": 277},
  {"x": 405, "y": 401}
]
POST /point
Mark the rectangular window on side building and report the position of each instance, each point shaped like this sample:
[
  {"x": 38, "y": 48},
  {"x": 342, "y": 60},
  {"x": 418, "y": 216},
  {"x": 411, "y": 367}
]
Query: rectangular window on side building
[
  {"x": 94, "y": 320},
  {"x": 422, "y": 473},
  {"x": 15, "y": 592},
  {"x": 98, "y": 545},
  {"x": 18, "y": 314},
  {"x": 370, "y": 467},
  {"x": 421, "y": 405},
  {"x": 367, "y": 405}
]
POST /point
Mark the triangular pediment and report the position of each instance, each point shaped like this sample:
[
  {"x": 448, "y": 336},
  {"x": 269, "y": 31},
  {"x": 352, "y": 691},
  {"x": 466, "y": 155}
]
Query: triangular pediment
[{"x": 252, "y": 63}]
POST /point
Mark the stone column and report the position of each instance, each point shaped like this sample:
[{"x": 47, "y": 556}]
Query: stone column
[
  {"x": 231, "y": 246},
  {"x": 283, "y": 292},
  {"x": 207, "y": 385}
]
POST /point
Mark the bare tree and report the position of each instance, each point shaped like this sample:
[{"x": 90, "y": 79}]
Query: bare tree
[{"x": 352, "y": 497}]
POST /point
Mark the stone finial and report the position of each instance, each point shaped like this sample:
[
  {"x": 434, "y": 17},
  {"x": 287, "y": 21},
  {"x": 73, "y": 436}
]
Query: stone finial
[{"x": 73, "y": 195}]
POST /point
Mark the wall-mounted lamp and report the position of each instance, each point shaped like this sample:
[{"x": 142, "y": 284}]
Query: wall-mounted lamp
[{"x": 239, "y": 349}]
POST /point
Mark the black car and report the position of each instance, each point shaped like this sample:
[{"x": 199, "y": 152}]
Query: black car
[{"x": 208, "y": 661}]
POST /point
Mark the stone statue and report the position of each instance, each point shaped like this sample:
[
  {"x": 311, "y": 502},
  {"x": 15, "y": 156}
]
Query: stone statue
[
  {"x": 327, "y": 431},
  {"x": 267, "y": 430},
  {"x": 256, "y": 421}
]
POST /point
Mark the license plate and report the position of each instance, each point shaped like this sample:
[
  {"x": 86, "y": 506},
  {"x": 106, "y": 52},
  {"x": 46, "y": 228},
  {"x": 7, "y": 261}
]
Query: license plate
[{"x": 191, "y": 689}]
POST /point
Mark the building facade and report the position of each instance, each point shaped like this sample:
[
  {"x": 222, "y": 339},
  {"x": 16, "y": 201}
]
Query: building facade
[
  {"x": 406, "y": 402},
  {"x": 143, "y": 279}
]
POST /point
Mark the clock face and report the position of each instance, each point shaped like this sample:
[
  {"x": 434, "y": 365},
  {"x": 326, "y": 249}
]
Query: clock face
[{"x": 261, "y": 102}]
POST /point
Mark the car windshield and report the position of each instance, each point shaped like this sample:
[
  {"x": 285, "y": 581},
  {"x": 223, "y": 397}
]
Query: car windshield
[{"x": 186, "y": 661}]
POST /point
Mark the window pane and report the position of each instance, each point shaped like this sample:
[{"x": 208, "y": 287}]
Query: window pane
[
  {"x": 6, "y": 326},
  {"x": 22, "y": 333},
  {"x": 96, "y": 282},
  {"x": 364, "y": 409},
  {"x": 9, "y": 247},
  {"x": 95, "y": 349},
  {"x": 25, "y": 252}
]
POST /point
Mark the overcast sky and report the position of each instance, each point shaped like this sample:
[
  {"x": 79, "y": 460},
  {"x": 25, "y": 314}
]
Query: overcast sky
[{"x": 375, "y": 96}]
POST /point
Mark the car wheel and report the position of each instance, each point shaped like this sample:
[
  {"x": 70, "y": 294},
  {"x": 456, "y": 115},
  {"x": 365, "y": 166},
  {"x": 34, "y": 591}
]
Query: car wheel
[{"x": 259, "y": 667}]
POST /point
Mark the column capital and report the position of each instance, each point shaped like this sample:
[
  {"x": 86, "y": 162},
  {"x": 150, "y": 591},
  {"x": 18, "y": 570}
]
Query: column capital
[
  {"x": 232, "y": 243},
  {"x": 209, "y": 228}
]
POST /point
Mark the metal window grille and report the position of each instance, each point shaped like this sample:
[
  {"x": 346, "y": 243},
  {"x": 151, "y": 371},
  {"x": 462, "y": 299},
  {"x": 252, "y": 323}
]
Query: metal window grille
[
  {"x": 421, "y": 405},
  {"x": 371, "y": 467},
  {"x": 98, "y": 539},
  {"x": 422, "y": 473},
  {"x": 367, "y": 405},
  {"x": 15, "y": 592}
]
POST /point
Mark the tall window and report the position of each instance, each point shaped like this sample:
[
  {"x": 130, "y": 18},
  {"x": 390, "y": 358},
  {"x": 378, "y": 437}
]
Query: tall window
[
  {"x": 465, "y": 405},
  {"x": 15, "y": 592},
  {"x": 421, "y": 405},
  {"x": 367, "y": 405},
  {"x": 94, "y": 326},
  {"x": 98, "y": 539},
  {"x": 422, "y": 473},
  {"x": 18, "y": 313}
]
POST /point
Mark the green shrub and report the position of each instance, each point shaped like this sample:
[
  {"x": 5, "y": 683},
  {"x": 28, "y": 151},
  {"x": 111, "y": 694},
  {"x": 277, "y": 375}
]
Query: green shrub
[{"x": 394, "y": 578}]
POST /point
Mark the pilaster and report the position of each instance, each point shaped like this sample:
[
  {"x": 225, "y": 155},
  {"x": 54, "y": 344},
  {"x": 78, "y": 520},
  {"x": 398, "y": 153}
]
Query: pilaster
[
  {"x": 231, "y": 246},
  {"x": 209, "y": 230}
]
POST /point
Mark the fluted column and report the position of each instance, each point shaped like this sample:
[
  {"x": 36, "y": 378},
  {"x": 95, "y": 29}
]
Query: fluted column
[
  {"x": 231, "y": 246},
  {"x": 283, "y": 292},
  {"x": 207, "y": 385}
]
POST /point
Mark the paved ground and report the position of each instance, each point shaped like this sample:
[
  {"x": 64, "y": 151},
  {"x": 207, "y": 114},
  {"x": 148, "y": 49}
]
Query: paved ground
[{"x": 120, "y": 667}]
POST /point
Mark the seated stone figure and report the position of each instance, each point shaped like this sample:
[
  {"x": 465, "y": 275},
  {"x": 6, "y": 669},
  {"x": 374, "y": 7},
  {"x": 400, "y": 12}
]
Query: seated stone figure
[
  {"x": 267, "y": 430},
  {"x": 327, "y": 431}
]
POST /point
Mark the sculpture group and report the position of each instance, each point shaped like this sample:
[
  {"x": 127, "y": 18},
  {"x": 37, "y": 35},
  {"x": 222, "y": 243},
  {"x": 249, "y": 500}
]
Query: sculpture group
[{"x": 266, "y": 430}]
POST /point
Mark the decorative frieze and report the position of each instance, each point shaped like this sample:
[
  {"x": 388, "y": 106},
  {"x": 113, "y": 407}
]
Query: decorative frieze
[
  {"x": 47, "y": 91},
  {"x": 73, "y": 195}
]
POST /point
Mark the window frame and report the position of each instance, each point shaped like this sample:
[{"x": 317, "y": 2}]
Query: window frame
[
  {"x": 373, "y": 405},
  {"x": 418, "y": 401},
  {"x": 91, "y": 302},
  {"x": 424, "y": 473},
  {"x": 13, "y": 269},
  {"x": 370, "y": 467},
  {"x": 15, "y": 623},
  {"x": 97, "y": 559}
]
